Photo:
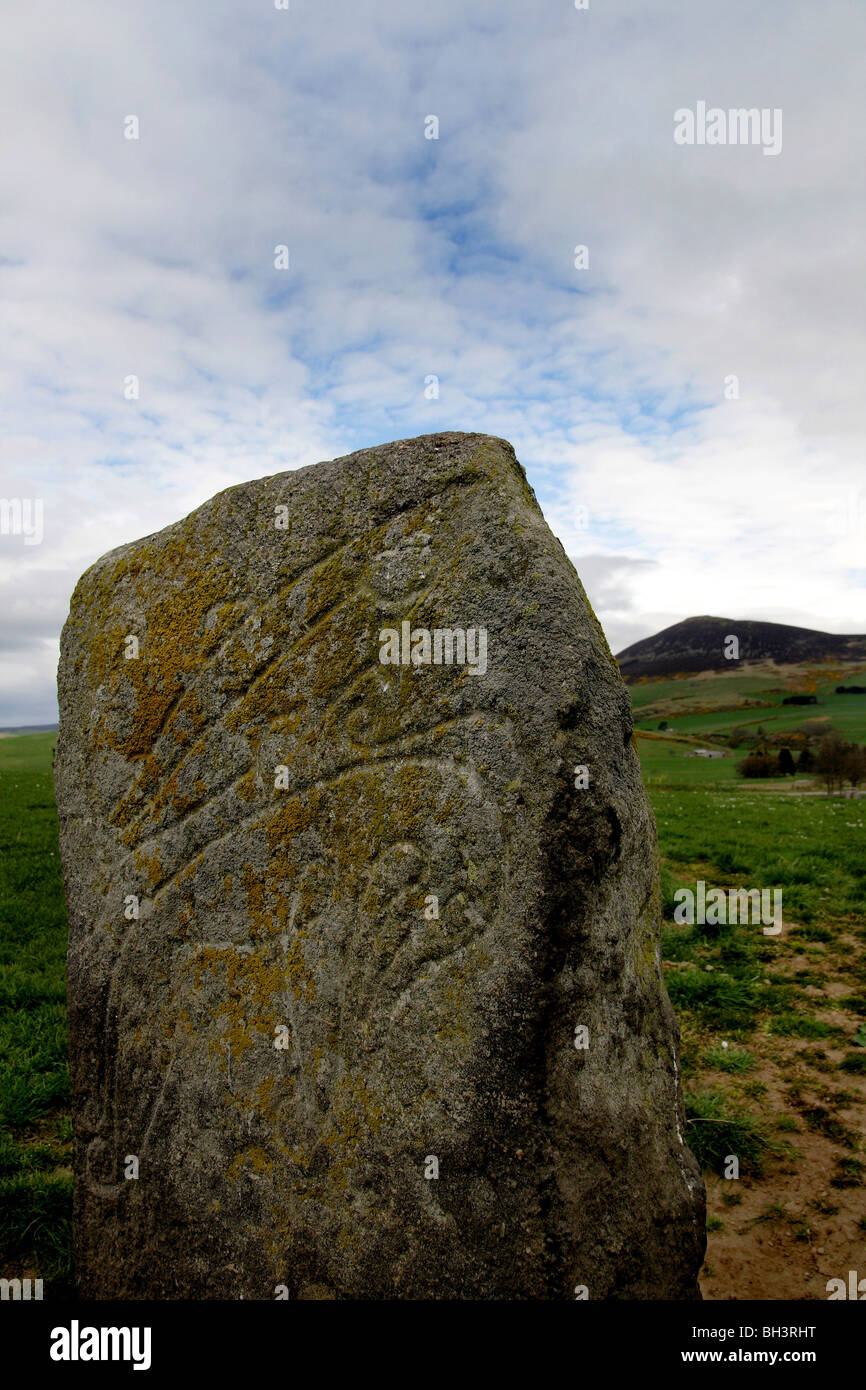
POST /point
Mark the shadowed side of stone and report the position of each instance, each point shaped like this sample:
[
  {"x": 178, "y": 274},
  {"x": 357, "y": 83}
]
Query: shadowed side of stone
[{"x": 365, "y": 996}]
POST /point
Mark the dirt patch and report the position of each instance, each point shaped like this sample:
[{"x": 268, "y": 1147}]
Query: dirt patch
[
  {"x": 794, "y": 1227},
  {"x": 784, "y": 1233}
]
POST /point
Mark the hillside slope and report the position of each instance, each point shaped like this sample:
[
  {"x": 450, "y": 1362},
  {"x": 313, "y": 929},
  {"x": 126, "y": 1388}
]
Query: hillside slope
[{"x": 698, "y": 644}]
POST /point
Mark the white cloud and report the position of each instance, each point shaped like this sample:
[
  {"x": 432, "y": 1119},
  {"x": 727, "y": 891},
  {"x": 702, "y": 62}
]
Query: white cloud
[{"x": 261, "y": 127}]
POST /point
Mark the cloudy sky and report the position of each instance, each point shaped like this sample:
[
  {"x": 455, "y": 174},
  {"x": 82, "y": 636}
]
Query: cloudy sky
[{"x": 453, "y": 257}]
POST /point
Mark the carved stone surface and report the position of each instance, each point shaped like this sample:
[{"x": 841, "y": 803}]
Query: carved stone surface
[{"x": 339, "y": 925}]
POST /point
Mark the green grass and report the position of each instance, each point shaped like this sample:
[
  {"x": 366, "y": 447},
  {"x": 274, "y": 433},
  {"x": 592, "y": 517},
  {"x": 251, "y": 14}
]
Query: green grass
[
  {"x": 727, "y": 983},
  {"x": 35, "y": 1134},
  {"x": 796, "y": 1025},
  {"x": 691, "y": 690},
  {"x": 665, "y": 756},
  {"x": 730, "y": 1059},
  {"x": 810, "y": 847},
  {"x": 731, "y": 989},
  {"x": 719, "y": 1000},
  {"x": 679, "y": 702},
  {"x": 717, "y": 1129},
  {"x": 665, "y": 763}
]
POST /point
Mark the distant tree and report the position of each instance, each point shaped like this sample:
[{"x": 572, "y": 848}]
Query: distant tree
[
  {"x": 786, "y": 763},
  {"x": 806, "y": 760},
  {"x": 854, "y": 764},
  {"x": 754, "y": 765},
  {"x": 830, "y": 761},
  {"x": 664, "y": 724}
]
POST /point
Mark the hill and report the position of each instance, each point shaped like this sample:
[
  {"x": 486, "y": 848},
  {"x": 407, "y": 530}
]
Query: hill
[{"x": 698, "y": 644}]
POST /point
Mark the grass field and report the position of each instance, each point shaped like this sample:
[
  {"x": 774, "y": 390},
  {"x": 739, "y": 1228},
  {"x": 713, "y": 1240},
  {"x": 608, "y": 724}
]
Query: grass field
[
  {"x": 665, "y": 761},
  {"x": 773, "y": 1029},
  {"x": 719, "y": 702},
  {"x": 810, "y": 847},
  {"x": 35, "y": 1129}
]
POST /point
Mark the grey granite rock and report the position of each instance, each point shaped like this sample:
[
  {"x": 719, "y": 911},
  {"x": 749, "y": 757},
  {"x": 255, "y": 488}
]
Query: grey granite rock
[{"x": 338, "y": 925}]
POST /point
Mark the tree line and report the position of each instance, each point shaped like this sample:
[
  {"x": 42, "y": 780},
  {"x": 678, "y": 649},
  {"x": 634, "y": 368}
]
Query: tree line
[{"x": 836, "y": 762}]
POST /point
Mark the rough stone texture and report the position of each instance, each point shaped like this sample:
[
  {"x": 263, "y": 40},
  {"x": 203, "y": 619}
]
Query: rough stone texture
[{"x": 304, "y": 906}]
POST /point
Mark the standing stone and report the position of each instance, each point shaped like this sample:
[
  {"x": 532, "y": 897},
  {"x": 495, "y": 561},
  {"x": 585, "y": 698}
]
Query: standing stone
[{"x": 365, "y": 996}]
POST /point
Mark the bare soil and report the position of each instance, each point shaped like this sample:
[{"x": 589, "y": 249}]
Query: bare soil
[{"x": 784, "y": 1234}]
